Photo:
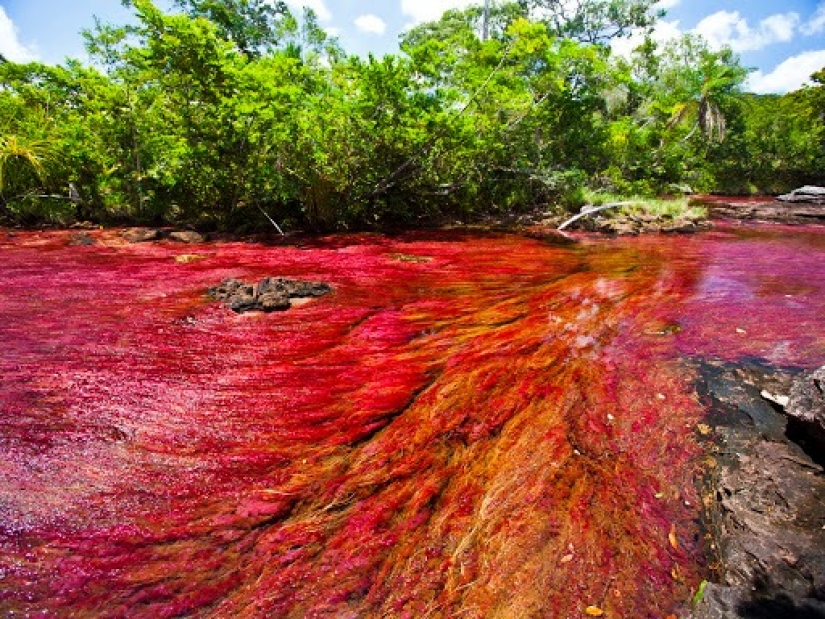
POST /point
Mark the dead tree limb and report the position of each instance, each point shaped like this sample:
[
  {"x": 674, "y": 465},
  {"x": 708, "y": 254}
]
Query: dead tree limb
[{"x": 590, "y": 210}]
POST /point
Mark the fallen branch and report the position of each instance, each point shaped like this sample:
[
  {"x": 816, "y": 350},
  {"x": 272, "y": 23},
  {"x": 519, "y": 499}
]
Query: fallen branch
[
  {"x": 43, "y": 196},
  {"x": 589, "y": 210},
  {"x": 272, "y": 221}
]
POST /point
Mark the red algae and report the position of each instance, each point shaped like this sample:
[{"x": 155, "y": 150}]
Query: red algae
[{"x": 474, "y": 426}]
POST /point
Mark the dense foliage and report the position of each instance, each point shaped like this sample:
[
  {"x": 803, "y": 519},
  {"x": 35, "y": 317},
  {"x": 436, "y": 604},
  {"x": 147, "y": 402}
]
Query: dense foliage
[{"x": 227, "y": 112}]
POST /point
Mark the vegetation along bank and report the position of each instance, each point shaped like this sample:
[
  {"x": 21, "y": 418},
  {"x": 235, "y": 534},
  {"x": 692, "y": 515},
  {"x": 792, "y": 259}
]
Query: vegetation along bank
[{"x": 233, "y": 114}]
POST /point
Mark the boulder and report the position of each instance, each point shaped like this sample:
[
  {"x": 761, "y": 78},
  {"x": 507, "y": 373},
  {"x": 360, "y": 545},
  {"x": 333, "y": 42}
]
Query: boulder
[
  {"x": 186, "y": 236},
  {"x": 81, "y": 238},
  {"x": 808, "y": 193},
  {"x": 141, "y": 235},
  {"x": 806, "y": 409}
]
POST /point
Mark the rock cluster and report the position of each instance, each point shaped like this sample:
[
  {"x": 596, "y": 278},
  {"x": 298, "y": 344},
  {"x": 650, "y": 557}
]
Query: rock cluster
[
  {"x": 145, "y": 235},
  {"x": 800, "y": 207},
  {"x": 268, "y": 295},
  {"x": 633, "y": 225}
]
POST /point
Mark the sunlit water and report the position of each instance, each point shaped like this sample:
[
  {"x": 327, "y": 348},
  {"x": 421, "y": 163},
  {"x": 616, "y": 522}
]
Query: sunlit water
[{"x": 468, "y": 426}]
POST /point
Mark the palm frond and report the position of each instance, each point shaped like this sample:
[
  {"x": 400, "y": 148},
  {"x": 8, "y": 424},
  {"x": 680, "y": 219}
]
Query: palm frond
[{"x": 32, "y": 154}]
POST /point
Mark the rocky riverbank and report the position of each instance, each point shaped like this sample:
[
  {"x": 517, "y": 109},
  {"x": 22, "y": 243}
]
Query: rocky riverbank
[
  {"x": 805, "y": 205},
  {"x": 764, "y": 492}
]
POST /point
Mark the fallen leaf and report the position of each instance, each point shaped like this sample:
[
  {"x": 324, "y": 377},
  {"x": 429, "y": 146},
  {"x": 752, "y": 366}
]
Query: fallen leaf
[
  {"x": 186, "y": 258},
  {"x": 671, "y": 617},
  {"x": 674, "y": 541},
  {"x": 594, "y": 611},
  {"x": 700, "y": 593},
  {"x": 566, "y": 559},
  {"x": 704, "y": 429}
]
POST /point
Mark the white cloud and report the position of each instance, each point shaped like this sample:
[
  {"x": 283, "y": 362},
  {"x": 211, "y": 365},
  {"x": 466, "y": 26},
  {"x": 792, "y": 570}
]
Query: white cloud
[
  {"x": 429, "y": 10},
  {"x": 10, "y": 46},
  {"x": 789, "y": 74},
  {"x": 318, "y": 6},
  {"x": 816, "y": 24},
  {"x": 663, "y": 32},
  {"x": 667, "y": 4},
  {"x": 725, "y": 28},
  {"x": 371, "y": 24}
]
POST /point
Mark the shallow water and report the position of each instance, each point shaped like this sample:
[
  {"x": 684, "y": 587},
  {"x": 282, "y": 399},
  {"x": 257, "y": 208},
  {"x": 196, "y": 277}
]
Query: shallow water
[{"x": 469, "y": 425}]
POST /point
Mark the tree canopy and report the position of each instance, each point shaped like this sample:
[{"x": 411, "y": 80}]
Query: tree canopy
[{"x": 223, "y": 113}]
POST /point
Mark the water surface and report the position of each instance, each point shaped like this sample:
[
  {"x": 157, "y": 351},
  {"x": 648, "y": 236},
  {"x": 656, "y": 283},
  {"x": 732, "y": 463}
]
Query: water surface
[{"x": 469, "y": 425}]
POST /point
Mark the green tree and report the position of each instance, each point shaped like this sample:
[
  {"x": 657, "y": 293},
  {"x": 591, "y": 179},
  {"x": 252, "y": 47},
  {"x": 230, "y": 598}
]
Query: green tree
[
  {"x": 593, "y": 21},
  {"x": 255, "y": 26},
  {"x": 698, "y": 82}
]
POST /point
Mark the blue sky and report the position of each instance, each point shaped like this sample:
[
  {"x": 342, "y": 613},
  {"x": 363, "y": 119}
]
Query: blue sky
[{"x": 783, "y": 40}]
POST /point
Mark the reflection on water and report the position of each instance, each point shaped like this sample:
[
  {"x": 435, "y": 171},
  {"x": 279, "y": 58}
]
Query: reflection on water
[{"x": 467, "y": 426}]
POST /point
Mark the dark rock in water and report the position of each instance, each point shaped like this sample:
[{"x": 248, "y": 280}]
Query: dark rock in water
[
  {"x": 808, "y": 193},
  {"x": 141, "y": 235},
  {"x": 186, "y": 236},
  {"x": 81, "y": 239},
  {"x": 269, "y": 295},
  {"x": 291, "y": 287},
  {"x": 765, "y": 502}
]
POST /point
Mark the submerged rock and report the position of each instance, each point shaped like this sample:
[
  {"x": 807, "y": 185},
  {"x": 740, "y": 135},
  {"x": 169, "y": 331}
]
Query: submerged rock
[
  {"x": 186, "y": 236},
  {"x": 81, "y": 239},
  {"x": 145, "y": 235},
  {"x": 269, "y": 295},
  {"x": 141, "y": 235}
]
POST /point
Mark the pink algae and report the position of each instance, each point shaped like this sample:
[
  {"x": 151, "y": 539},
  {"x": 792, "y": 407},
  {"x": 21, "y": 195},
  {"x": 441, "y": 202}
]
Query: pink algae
[{"x": 469, "y": 425}]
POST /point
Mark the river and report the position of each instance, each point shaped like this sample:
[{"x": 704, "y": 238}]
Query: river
[{"x": 469, "y": 425}]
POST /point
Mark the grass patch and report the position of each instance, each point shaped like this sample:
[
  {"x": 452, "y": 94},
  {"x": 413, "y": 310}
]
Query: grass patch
[{"x": 663, "y": 208}]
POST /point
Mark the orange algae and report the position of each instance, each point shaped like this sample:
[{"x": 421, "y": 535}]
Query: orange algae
[{"x": 490, "y": 427}]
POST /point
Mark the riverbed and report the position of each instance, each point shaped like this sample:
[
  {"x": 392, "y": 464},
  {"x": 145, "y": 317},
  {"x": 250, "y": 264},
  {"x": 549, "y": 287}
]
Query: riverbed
[{"x": 468, "y": 425}]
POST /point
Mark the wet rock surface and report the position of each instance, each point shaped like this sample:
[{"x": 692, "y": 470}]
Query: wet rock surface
[
  {"x": 141, "y": 235},
  {"x": 145, "y": 235},
  {"x": 270, "y": 294},
  {"x": 764, "y": 499},
  {"x": 789, "y": 211},
  {"x": 806, "y": 411},
  {"x": 633, "y": 225},
  {"x": 540, "y": 223},
  {"x": 81, "y": 239},
  {"x": 186, "y": 236}
]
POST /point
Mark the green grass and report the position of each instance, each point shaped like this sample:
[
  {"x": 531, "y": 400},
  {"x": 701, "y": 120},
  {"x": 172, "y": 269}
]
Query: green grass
[{"x": 670, "y": 208}]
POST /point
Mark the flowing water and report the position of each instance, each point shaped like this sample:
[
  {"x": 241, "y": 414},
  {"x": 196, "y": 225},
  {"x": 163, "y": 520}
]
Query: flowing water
[{"x": 467, "y": 426}]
